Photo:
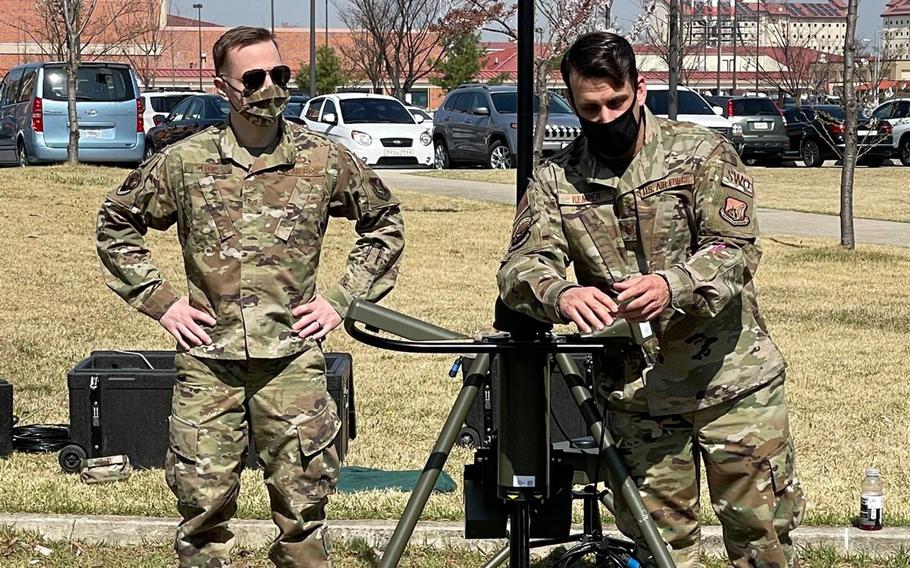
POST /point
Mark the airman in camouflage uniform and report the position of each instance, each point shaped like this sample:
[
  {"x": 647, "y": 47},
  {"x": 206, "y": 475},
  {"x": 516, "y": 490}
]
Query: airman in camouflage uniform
[
  {"x": 251, "y": 229},
  {"x": 682, "y": 207}
]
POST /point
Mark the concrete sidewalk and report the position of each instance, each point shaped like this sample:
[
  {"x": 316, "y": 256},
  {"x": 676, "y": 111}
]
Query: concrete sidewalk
[
  {"x": 771, "y": 221},
  {"x": 127, "y": 531}
]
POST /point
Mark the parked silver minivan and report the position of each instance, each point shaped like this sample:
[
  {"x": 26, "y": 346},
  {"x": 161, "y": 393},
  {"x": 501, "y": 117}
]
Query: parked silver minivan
[{"x": 34, "y": 124}]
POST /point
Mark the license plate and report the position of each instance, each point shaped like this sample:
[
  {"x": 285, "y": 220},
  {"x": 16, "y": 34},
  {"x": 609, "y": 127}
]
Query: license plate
[
  {"x": 90, "y": 133},
  {"x": 399, "y": 153},
  {"x": 761, "y": 125}
]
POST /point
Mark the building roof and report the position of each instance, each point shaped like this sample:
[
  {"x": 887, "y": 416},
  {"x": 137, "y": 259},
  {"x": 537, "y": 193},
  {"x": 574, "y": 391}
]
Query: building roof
[
  {"x": 175, "y": 21},
  {"x": 832, "y": 9},
  {"x": 897, "y": 8}
]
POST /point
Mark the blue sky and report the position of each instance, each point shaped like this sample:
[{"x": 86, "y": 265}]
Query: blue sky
[{"x": 296, "y": 12}]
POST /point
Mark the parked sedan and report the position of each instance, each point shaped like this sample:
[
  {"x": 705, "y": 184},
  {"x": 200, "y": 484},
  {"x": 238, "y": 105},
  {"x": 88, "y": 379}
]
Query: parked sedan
[
  {"x": 189, "y": 117},
  {"x": 816, "y": 134},
  {"x": 378, "y": 129}
]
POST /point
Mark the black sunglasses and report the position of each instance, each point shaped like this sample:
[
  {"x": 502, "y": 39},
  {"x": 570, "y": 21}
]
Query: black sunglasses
[{"x": 254, "y": 78}]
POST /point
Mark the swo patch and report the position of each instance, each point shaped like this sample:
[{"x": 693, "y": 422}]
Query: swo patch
[{"x": 735, "y": 179}]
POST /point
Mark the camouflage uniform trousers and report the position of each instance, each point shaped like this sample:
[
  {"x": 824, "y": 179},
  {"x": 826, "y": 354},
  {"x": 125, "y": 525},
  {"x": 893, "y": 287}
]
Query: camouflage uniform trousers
[
  {"x": 749, "y": 461},
  {"x": 293, "y": 423}
]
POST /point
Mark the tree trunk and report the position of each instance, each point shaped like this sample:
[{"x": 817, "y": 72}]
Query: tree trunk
[
  {"x": 847, "y": 238},
  {"x": 543, "y": 113},
  {"x": 72, "y": 68}
]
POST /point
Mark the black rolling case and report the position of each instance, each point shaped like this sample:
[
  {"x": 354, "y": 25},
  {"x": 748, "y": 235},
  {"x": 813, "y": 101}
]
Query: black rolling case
[
  {"x": 6, "y": 418},
  {"x": 120, "y": 403}
]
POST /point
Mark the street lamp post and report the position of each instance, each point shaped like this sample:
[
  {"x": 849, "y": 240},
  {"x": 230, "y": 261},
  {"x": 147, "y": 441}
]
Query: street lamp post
[
  {"x": 273, "y": 17},
  {"x": 312, "y": 48},
  {"x": 199, "y": 29}
]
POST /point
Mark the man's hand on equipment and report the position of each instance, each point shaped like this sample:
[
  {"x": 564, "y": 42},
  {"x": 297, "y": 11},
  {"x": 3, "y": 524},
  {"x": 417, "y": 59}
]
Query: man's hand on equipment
[
  {"x": 317, "y": 319},
  {"x": 642, "y": 298},
  {"x": 180, "y": 321},
  {"x": 588, "y": 308}
]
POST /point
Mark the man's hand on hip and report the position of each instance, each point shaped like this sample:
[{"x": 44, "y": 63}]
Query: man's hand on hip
[
  {"x": 180, "y": 320},
  {"x": 317, "y": 318},
  {"x": 642, "y": 298},
  {"x": 587, "y": 307}
]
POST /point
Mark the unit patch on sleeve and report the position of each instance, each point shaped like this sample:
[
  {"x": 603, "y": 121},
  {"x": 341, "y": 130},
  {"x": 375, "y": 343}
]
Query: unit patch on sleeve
[
  {"x": 379, "y": 188},
  {"x": 734, "y": 212},
  {"x": 131, "y": 183}
]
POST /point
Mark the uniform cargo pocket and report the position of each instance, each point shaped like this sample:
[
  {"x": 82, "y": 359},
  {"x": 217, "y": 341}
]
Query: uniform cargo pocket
[
  {"x": 787, "y": 491},
  {"x": 180, "y": 463},
  {"x": 317, "y": 432},
  {"x": 319, "y": 456}
]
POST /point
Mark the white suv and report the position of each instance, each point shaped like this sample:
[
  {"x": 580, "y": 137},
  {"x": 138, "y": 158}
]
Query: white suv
[
  {"x": 378, "y": 129},
  {"x": 897, "y": 113},
  {"x": 691, "y": 107},
  {"x": 160, "y": 102}
]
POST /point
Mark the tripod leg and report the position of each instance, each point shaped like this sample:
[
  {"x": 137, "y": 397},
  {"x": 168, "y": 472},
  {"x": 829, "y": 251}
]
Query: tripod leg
[
  {"x": 418, "y": 500},
  {"x": 615, "y": 466},
  {"x": 520, "y": 535},
  {"x": 501, "y": 556}
]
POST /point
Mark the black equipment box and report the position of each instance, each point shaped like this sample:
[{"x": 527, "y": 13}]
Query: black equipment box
[
  {"x": 6, "y": 418},
  {"x": 566, "y": 422},
  {"x": 120, "y": 403}
]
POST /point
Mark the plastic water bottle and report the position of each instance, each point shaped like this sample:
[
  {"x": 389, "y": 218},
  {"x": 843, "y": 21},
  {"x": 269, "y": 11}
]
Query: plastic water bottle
[{"x": 871, "y": 502}]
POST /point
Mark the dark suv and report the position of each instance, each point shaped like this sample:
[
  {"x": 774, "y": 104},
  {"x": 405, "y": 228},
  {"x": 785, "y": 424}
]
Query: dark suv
[
  {"x": 478, "y": 124},
  {"x": 764, "y": 131}
]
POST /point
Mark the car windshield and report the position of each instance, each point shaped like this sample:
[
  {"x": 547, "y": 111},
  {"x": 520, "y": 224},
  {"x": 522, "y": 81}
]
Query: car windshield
[
  {"x": 224, "y": 108},
  {"x": 833, "y": 111},
  {"x": 164, "y": 104},
  {"x": 687, "y": 103},
  {"x": 93, "y": 83},
  {"x": 754, "y": 107},
  {"x": 507, "y": 103},
  {"x": 365, "y": 111}
]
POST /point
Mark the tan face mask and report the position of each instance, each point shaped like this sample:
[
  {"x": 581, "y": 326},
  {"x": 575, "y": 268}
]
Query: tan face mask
[{"x": 264, "y": 106}]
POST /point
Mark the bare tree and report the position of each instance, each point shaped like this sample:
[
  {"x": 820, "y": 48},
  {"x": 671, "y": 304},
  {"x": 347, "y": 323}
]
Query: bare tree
[
  {"x": 365, "y": 59},
  {"x": 657, "y": 33},
  {"x": 798, "y": 64},
  {"x": 847, "y": 238},
  {"x": 404, "y": 36},
  {"x": 564, "y": 20},
  {"x": 150, "y": 41}
]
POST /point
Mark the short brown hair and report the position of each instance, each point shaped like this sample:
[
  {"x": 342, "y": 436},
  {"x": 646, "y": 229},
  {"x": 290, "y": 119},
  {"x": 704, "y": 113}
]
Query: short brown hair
[
  {"x": 241, "y": 36},
  {"x": 601, "y": 55}
]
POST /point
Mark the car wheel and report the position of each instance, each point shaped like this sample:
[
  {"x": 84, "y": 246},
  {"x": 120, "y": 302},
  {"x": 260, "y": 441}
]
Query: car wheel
[
  {"x": 905, "y": 151},
  {"x": 441, "y": 153},
  {"x": 811, "y": 153},
  {"x": 149, "y": 151},
  {"x": 499, "y": 158},
  {"x": 752, "y": 161},
  {"x": 22, "y": 155}
]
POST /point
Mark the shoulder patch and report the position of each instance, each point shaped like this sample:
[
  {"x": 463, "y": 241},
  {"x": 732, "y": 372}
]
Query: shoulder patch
[
  {"x": 380, "y": 189},
  {"x": 733, "y": 178},
  {"x": 521, "y": 231},
  {"x": 735, "y": 212},
  {"x": 662, "y": 185},
  {"x": 131, "y": 182}
]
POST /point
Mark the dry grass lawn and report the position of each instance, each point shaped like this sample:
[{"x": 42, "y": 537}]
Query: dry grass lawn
[
  {"x": 840, "y": 318},
  {"x": 879, "y": 193},
  {"x": 24, "y": 550}
]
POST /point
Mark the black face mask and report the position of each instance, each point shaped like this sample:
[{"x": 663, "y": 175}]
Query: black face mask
[{"x": 613, "y": 140}]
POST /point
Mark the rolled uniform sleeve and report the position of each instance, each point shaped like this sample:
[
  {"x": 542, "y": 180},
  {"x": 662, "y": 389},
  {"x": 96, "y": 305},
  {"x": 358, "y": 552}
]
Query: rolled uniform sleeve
[
  {"x": 372, "y": 266},
  {"x": 145, "y": 200},
  {"x": 727, "y": 254},
  {"x": 533, "y": 273}
]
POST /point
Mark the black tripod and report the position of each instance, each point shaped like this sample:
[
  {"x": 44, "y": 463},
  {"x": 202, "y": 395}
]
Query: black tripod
[{"x": 523, "y": 464}]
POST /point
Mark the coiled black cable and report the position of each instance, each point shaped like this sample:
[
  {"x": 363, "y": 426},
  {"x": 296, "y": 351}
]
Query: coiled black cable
[{"x": 35, "y": 438}]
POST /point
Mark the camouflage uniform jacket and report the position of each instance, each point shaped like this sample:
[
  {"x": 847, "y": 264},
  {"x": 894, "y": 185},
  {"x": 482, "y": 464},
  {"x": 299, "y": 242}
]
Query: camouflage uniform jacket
[
  {"x": 686, "y": 204},
  {"x": 251, "y": 230}
]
